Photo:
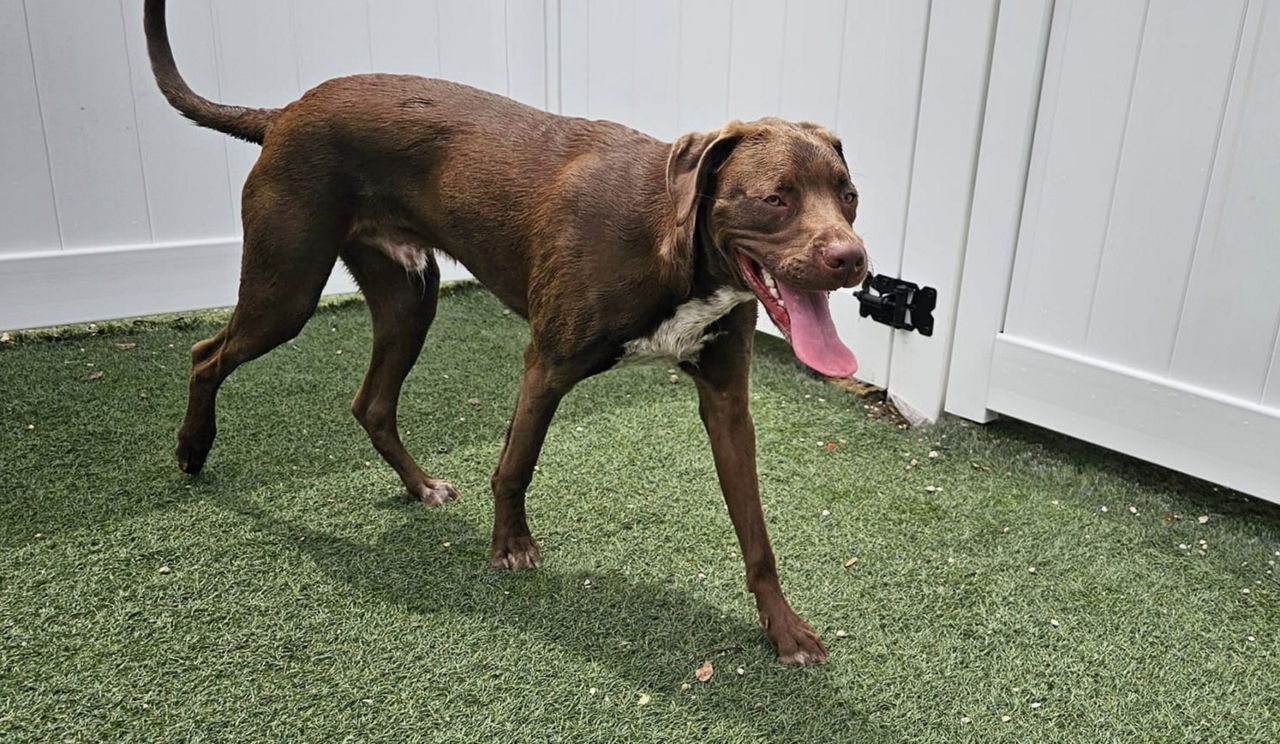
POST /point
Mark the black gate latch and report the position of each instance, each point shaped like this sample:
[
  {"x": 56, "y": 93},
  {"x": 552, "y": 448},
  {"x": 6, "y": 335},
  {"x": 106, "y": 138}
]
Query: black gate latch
[{"x": 897, "y": 303}]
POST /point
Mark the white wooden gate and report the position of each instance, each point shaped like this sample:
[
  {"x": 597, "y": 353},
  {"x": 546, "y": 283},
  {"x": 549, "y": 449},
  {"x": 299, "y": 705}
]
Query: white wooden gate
[{"x": 1143, "y": 312}]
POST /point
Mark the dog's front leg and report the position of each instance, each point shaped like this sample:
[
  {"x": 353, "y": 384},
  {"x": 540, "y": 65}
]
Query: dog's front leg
[
  {"x": 722, "y": 378},
  {"x": 541, "y": 389}
]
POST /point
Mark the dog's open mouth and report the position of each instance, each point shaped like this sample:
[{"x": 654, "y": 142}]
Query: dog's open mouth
[{"x": 803, "y": 317}]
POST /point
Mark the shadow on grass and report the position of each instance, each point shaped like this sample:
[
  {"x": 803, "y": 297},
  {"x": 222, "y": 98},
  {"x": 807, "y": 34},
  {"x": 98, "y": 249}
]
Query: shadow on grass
[
  {"x": 1184, "y": 493},
  {"x": 650, "y": 635}
]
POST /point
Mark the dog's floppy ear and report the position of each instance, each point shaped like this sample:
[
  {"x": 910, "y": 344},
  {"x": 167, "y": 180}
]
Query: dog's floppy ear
[{"x": 694, "y": 157}]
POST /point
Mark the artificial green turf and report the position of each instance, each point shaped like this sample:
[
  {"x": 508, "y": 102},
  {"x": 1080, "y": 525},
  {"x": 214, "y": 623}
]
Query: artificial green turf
[{"x": 306, "y": 601}]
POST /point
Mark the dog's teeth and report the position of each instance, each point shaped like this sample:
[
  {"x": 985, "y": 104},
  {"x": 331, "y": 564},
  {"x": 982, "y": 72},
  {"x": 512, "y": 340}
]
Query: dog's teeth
[
  {"x": 768, "y": 279},
  {"x": 773, "y": 292}
]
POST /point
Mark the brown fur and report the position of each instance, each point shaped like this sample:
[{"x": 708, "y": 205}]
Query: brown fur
[{"x": 593, "y": 232}]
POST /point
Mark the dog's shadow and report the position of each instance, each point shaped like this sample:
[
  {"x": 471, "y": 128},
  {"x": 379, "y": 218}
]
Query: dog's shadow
[{"x": 649, "y": 635}]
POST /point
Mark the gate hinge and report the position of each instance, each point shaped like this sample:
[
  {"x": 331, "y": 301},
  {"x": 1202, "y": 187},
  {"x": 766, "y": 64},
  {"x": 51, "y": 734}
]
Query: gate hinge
[{"x": 897, "y": 303}]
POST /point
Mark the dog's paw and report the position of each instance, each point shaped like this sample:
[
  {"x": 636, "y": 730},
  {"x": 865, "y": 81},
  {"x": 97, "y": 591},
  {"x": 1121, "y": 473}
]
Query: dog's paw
[
  {"x": 796, "y": 642},
  {"x": 435, "y": 492},
  {"x": 192, "y": 451},
  {"x": 515, "y": 553}
]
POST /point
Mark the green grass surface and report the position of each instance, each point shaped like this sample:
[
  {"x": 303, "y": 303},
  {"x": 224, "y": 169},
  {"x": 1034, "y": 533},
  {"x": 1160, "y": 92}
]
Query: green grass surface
[{"x": 306, "y": 601}]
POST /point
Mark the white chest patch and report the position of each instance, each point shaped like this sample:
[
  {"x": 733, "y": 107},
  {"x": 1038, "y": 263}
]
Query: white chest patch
[{"x": 681, "y": 337}]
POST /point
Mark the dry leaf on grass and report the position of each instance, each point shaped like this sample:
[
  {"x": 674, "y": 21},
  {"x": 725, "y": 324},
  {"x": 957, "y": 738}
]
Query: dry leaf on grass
[
  {"x": 644, "y": 700},
  {"x": 849, "y": 563},
  {"x": 95, "y": 376},
  {"x": 126, "y": 346},
  {"x": 705, "y": 672}
]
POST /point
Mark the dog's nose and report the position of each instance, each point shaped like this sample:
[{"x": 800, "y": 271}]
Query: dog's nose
[{"x": 847, "y": 256}]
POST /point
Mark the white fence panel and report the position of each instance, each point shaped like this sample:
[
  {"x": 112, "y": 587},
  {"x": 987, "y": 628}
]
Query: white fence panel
[
  {"x": 1142, "y": 314},
  {"x": 86, "y": 97},
  {"x": 28, "y": 210},
  {"x": 948, "y": 131}
]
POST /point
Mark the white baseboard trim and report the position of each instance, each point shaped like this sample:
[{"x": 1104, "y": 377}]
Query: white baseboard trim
[
  {"x": 1225, "y": 440},
  {"x": 45, "y": 289}
]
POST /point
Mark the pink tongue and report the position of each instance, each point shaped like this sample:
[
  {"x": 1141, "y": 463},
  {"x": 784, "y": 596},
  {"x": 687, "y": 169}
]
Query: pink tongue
[{"x": 813, "y": 335}]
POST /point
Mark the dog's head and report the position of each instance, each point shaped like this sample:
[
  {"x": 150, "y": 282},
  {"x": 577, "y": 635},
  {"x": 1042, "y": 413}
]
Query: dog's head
[{"x": 775, "y": 200}]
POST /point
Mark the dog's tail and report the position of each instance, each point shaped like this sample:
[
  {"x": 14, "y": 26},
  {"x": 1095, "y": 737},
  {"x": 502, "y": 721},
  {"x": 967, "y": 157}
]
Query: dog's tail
[{"x": 249, "y": 124}]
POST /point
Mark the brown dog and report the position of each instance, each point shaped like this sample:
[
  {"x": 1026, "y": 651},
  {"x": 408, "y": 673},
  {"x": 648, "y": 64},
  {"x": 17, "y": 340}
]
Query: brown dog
[{"x": 614, "y": 246}]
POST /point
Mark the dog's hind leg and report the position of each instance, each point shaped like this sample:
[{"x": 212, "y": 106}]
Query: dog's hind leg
[
  {"x": 402, "y": 304},
  {"x": 288, "y": 255}
]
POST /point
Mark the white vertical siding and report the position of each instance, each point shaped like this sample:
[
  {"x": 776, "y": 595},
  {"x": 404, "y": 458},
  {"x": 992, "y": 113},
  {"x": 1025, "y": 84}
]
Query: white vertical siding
[
  {"x": 1090, "y": 87},
  {"x": 880, "y": 78},
  {"x": 701, "y": 85},
  {"x": 1170, "y": 139},
  {"x": 1143, "y": 314},
  {"x": 1228, "y": 336},
  {"x": 331, "y": 39},
  {"x": 28, "y": 210},
  {"x": 1148, "y": 238},
  {"x": 526, "y": 42},
  {"x": 948, "y": 132},
  {"x": 405, "y": 36},
  {"x": 257, "y": 66},
  {"x": 182, "y": 204},
  {"x": 473, "y": 47},
  {"x": 1008, "y": 129},
  {"x": 86, "y": 97}
]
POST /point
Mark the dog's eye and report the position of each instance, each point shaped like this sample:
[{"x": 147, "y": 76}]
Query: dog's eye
[
  {"x": 773, "y": 200},
  {"x": 850, "y": 197}
]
